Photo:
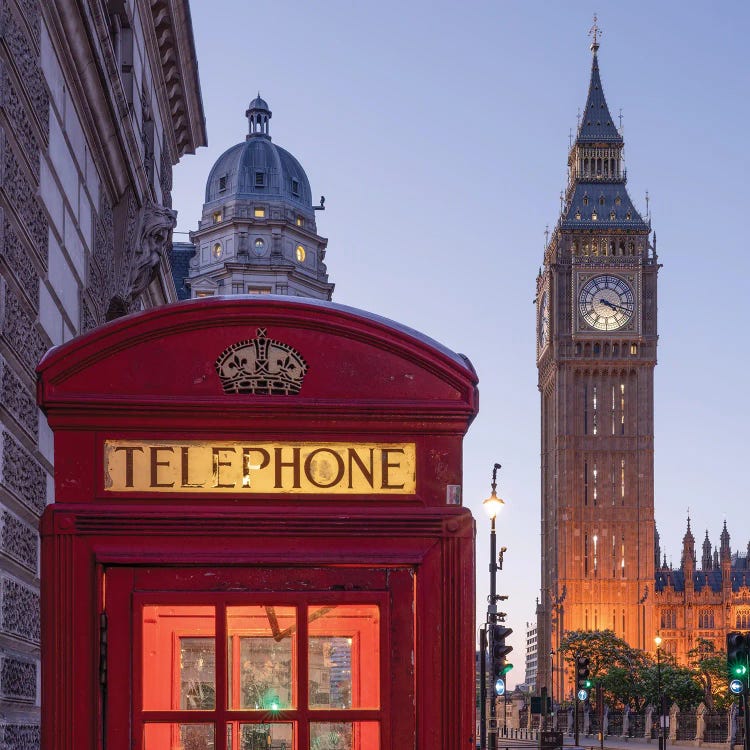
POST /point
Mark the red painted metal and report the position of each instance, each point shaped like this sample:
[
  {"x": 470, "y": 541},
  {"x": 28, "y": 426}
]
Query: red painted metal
[{"x": 152, "y": 376}]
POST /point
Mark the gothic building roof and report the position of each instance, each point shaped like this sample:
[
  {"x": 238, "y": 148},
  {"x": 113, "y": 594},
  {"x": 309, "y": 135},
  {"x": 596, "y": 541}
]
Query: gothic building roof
[
  {"x": 602, "y": 206},
  {"x": 711, "y": 575},
  {"x": 597, "y": 197},
  {"x": 596, "y": 125}
]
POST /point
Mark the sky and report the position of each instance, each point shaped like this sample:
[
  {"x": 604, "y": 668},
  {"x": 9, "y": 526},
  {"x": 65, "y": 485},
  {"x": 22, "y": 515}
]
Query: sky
[{"x": 438, "y": 133}]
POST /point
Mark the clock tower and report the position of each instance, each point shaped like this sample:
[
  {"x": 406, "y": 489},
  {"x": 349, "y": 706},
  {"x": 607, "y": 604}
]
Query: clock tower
[{"x": 596, "y": 352}]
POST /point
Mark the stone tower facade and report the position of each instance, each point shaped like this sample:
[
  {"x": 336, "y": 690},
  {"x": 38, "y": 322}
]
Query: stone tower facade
[
  {"x": 596, "y": 352},
  {"x": 258, "y": 233}
]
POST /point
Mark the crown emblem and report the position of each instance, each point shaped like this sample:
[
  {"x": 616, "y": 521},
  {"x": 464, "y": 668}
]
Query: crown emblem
[{"x": 261, "y": 365}]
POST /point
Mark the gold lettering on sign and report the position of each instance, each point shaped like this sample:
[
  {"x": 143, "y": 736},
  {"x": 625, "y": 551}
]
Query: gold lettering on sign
[{"x": 221, "y": 466}]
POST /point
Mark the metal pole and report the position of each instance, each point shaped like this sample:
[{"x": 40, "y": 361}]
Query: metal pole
[
  {"x": 483, "y": 688},
  {"x": 575, "y": 718},
  {"x": 658, "y": 691},
  {"x": 492, "y": 618},
  {"x": 552, "y": 688}
]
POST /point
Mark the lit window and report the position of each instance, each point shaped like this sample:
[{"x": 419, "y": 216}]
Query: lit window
[
  {"x": 594, "y": 216},
  {"x": 300, "y": 253},
  {"x": 260, "y": 179},
  {"x": 217, "y": 250},
  {"x": 217, "y": 217},
  {"x": 634, "y": 349},
  {"x": 300, "y": 221},
  {"x": 259, "y": 212},
  {"x": 259, "y": 290},
  {"x": 627, "y": 215},
  {"x": 204, "y": 294},
  {"x": 618, "y": 200},
  {"x": 578, "y": 215},
  {"x": 612, "y": 215},
  {"x": 259, "y": 246}
]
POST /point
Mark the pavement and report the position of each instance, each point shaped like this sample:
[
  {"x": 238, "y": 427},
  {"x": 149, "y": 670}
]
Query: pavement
[{"x": 593, "y": 743}]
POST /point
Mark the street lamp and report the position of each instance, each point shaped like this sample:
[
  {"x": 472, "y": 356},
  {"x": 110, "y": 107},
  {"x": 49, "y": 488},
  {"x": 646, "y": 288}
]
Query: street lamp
[
  {"x": 492, "y": 506},
  {"x": 657, "y": 641}
]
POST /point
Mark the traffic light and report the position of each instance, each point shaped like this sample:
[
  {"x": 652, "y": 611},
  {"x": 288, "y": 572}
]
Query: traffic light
[
  {"x": 498, "y": 650},
  {"x": 738, "y": 654},
  {"x": 583, "y": 673}
]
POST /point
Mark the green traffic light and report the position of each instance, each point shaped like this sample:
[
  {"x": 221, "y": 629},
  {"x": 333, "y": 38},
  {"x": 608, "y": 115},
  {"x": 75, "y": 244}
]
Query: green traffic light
[
  {"x": 739, "y": 669},
  {"x": 587, "y": 684},
  {"x": 507, "y": 668}
]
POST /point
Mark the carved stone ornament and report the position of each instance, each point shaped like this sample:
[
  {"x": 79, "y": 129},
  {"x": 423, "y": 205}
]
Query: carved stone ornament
[
  {"x": 261, "y": 366},
  {"x": 154, "y": 235}
]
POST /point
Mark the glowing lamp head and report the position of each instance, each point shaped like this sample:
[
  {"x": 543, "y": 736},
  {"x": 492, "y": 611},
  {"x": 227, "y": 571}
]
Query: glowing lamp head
[
  {"x": 657, "y": 641},
  {"x": 493, "y": 504}
]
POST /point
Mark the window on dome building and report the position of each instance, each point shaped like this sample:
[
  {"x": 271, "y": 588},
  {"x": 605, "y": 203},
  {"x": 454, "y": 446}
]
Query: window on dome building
[
  {"x": 204, "y": 294},
  {"x": 222, "y": 183},
  {"x": 300, "y": 253},
  {"x": 259, "y": 290},
  {"x": 259, "y": 212},
  {"x": 217, "y": 217},
  {"x": 295, "y": 187},
  {"x": 300, "y": 221},
  {"x": 260, "y": 179}
]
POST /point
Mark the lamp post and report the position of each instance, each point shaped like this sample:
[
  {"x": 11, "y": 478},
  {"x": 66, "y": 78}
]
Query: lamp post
[
  {"x": 492, "y": 507},
  {"x": 657, "y": 641}
]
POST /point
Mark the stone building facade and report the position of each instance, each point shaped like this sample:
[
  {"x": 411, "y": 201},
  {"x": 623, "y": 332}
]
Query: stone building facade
[
  {"x": 596, "y": 353},
  {"x": 98, "y": 100},
  {"x": 702, "y": 602},
  {"x": 257, "y": 233}
]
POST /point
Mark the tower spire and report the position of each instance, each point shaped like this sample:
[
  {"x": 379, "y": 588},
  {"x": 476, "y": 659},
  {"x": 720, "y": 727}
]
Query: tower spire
[{"x": 594, "y": 32}]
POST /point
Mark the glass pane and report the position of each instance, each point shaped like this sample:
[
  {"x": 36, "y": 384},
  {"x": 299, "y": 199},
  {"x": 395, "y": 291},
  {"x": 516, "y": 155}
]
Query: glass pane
[
  {"x": 344, "y": 656},
  {"x": 357, "y": 735},
  {"x": 178, "y": 737},
  {"x": 262, "y": 736},
  {"x": 262, "y": 642},
  {"x": 179, "y": 658}
]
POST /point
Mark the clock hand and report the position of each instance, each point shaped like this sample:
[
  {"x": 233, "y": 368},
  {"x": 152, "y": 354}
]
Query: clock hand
[{"x": 613, "y": 306}]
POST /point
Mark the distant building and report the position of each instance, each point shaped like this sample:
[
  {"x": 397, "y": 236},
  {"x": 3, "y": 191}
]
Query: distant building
[
  {"x": 701, "y": 603},
  {"x": 257, "y": 234},
  {"x": 98, "y": 101},
  {"x": 531, "y": 656}
]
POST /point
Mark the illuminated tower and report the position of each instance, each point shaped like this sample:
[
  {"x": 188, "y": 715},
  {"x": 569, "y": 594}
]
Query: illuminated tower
[{"x": 596, "y": 352}]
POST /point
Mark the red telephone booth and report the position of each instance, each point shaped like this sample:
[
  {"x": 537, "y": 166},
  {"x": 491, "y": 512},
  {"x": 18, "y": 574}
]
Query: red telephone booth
[{"x": 257, "y": 540}]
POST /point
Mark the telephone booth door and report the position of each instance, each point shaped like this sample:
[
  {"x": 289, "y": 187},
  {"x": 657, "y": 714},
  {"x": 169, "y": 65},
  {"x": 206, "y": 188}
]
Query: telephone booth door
[{"x": 237, "y": 659}]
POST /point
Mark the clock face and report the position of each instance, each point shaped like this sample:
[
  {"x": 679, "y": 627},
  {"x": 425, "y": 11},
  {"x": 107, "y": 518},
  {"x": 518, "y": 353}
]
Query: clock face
[
  {"x": 543, "y": 320},
  {"x": 606, "y": 303}
]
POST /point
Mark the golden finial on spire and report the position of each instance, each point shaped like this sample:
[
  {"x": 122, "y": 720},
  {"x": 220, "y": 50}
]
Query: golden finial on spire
[{"x": 595, "y": 31}]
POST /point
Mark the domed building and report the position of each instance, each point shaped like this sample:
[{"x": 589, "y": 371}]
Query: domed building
[{"x": 258, "y": 233}]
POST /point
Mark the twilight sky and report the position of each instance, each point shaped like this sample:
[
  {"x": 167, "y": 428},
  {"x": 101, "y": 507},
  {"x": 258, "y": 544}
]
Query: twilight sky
[{"x": 438, "y": 133}]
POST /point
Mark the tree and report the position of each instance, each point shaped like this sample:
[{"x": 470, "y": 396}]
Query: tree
[
  {"x": 630, "y": 677},
  {"x": 710, "y": 668},
  {"x": 613, "y": 661}
]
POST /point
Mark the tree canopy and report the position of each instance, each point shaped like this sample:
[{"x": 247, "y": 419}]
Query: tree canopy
[{"x": 634, "y": 678}]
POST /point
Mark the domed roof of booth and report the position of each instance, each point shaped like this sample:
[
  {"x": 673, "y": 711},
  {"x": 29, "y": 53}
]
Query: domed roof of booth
[{"x": 259, "y": 169}]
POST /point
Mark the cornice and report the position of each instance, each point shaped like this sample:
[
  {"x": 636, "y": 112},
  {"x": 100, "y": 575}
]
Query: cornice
[{"x": 171, "y": 48}]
